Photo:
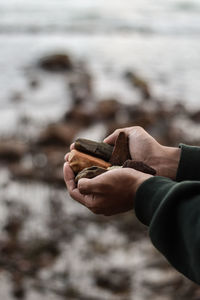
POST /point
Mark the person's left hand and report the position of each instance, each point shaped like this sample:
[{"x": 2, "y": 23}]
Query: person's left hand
[{"x": 110, "y": 193}]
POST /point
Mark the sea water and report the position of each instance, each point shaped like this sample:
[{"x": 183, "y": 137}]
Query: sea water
[{"x": 158, "y": 39}]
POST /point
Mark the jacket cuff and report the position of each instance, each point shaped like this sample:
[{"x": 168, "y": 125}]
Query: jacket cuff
[
  {"x": 149, "y": 197},
  {"x": 189, "y": 164}
]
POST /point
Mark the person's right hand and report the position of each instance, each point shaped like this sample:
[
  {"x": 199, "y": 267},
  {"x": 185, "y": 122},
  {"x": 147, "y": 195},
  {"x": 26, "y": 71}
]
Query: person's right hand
[{"x": 143, "y": 147}]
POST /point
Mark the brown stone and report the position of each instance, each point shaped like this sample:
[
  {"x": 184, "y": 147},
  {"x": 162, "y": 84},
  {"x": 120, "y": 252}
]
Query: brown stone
[
  {"x": 11, "y": 150},
  {"x": 107, "y": 109},
  {"x": 56, "y": 63},
  {"x": 81, "y": 115},
  {"x": 139, "y": 83},
  {"x": 139, "y": 166},
  {"x": 49, "y": 174},
  {"x": 121, "y": 150},
  {"x": 90, "y": 173},
  {"x": 79, "y": 161},
  {"x": 101, "y": 150},
  {"x": 80, "y": 85},
  {"x": 195, "y": 116},
  {"x": 20, "y": 172},
  {"x": 58, "y": 134}
]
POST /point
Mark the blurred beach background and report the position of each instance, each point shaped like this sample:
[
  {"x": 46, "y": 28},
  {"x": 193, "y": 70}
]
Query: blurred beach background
[{"x": 81, "y": 68}]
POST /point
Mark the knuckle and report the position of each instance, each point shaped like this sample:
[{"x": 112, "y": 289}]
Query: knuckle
[
  {"x": 83, "y": 187},
  {"x": 139, "y": 128},
  {"x": 80, "y": 185},
  {"x": 116, "y": 131}
]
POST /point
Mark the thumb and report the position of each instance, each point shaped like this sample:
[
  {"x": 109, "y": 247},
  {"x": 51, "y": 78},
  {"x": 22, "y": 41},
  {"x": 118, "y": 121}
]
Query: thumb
[{"x": 87, "y": 186}]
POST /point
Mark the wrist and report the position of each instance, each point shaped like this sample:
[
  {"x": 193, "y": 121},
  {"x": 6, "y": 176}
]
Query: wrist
[
  {"x": 137, "y": 178},
  {"x": 168, "y": 164}
]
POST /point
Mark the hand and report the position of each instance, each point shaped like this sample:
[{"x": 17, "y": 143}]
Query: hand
[
  {"x": 110, "y": 193},
  {"x": 144, "y": 147}
]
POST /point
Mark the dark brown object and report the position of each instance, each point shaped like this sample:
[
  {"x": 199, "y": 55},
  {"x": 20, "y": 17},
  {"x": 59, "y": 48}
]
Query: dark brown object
[
  {"x": 139, "y": 166},
  {"x": 101, "y": 150},
  {"x": 12, "y": 150},
  {"x": 139, "y": 83},
  {"x": 56, "y": 63},
  {"x": 58, "y": 135},
  {"x": 107, "y": 109},
  {"x": 90, "y": 173},
  {"x": 121, "y": 150}
]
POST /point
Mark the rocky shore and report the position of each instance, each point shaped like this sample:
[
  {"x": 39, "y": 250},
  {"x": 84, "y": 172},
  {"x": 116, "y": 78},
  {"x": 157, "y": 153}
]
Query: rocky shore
[{"x": 51, "y": 247}]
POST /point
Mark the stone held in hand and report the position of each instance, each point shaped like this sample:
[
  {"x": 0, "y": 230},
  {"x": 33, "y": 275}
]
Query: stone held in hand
[
  {"x": 90, "y": 173},
  {"x": 101, "y": 150},
  {"x": 79, "y": 161},
  {"x": 121, "y": 150},
  {"x": 139, "y": 166}
]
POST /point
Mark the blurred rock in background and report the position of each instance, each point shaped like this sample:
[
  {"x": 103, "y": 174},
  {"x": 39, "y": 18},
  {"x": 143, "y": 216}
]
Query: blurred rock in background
[{"x": 84, "y": 69}]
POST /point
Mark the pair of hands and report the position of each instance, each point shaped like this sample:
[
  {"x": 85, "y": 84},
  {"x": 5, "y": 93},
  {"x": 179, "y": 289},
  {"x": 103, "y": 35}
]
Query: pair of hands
[{"x": 113, "y": 192}]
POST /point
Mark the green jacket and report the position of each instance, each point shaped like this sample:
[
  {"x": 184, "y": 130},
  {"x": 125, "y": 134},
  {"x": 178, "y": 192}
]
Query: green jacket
[{"x": 171, "y": 209}]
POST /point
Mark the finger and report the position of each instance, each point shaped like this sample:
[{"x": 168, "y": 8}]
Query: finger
[
  {"x": 100, "y": 185},
  {"x": 66, "y": 156},
  {"x": 89, "y": 186},
  {"x": 69, "y": 176},
  {"x": 76, "y": 195},
  {"x": 71, "y": 186},
  {"x": 72, "y": 146}
]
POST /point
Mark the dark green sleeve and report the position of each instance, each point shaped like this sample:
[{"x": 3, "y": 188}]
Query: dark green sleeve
[
  {"x": 189, "y": 165},
  {"x": 172, "y": 212}
]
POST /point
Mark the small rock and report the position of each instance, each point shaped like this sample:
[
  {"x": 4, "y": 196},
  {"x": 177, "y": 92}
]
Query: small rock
[
  {"x": 115, "y": 280},
  {"x": 34, "y": 83},
  {"x": 139, "y": 83},
  {"x": 13, "y": 227},
  {"x": 17, "y": 97},
  {"x": 108, "y": 109},
  {"x": 12, "y": 151},
  {"x": 19, "y": 292},
  {"x": 195, "y": 116},
  {"x": 79, "y": 161},
  {"x": 80, "y": 86},
  {"x": 81, "y": 115},
  {"x": 97, "y": 149},
  {"x": 90, "y": 173},
  {"x": 56, "y": 63},
  {"x": 18, "y": 171},
  {"x": 58, "y": 134},
  {"x": 51, "y": 156},
  {"x": 139, "y": 166},
  {"x": 121, "y": 150}
]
